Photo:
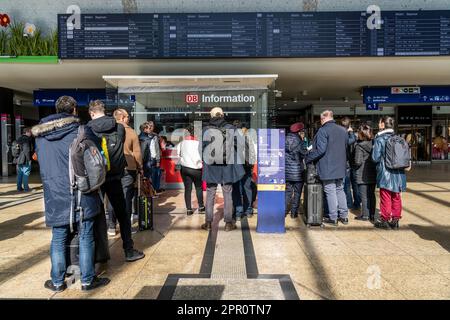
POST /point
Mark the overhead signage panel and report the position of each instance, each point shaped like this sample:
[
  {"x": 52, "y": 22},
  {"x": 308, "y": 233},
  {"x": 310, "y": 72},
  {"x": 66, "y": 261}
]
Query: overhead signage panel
[
  {"x": 426, "y": 94},
  {"x": 241, "y": 35}
]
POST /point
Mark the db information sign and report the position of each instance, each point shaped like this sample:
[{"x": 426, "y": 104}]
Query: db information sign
[{"x": 192, "y": 98}]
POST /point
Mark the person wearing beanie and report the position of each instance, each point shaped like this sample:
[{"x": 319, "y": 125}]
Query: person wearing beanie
[{"x": 295, "y": 152}]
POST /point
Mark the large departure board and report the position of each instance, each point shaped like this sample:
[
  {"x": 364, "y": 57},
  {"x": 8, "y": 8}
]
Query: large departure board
[{"x": 253, "y": 35}]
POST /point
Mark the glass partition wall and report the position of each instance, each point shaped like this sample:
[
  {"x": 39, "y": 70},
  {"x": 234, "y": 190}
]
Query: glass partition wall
[
  {"x": 178, "y": 107},
  {"x": 174, "y": 110}
]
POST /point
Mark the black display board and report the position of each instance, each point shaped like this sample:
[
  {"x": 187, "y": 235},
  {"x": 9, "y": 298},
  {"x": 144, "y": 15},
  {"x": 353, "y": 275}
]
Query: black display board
[
  {"x": 236, "y": 35},
  {"x": 419, "y": 115}
]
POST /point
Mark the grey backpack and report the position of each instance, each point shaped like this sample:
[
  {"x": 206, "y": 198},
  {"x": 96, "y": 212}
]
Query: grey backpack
[
  {"x": 86, "y": 164},
  {"x": 397, "y": 155}
]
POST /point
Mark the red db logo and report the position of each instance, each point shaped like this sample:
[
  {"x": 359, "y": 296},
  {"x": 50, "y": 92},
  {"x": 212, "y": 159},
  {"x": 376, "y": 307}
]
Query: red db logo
[{"x": 192, "y": 98}]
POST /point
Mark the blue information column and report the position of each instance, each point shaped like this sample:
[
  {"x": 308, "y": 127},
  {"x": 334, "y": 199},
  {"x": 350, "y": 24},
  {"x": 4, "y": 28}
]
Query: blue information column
[{"x": 271, "y": 181}]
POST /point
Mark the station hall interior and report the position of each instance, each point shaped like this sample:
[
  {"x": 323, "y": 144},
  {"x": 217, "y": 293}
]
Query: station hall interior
[{"x": 184, "y": 262}]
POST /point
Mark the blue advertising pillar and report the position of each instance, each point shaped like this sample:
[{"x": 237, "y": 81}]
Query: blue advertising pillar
[{"x": 271, "y": 181}]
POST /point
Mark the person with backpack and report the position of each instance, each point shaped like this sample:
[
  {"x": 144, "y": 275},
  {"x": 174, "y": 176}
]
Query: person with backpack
[
  {"x": 350, "y": 185},
  {"x": 220, "y": 166},
  {"x": 21, "y": 152},
  {"x": 296, "y": 150},
  {"x": 133, "y": 156},
  {"x": 242, "y": 189},
  {"x": 365, "y": 172},
  {"x": 111, "y": 137},
  {"x": 54, "y": 137},
  {"x": 151, "y": 153},
  {"x": 392, "y": 155}
]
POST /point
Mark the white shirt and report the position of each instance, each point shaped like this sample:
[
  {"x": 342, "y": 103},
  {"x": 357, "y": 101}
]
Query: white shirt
[{"x": 189, "y": 153}]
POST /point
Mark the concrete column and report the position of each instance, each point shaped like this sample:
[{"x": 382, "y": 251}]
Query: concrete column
[
  {"x": 129, "y": 6},
  {"x": 310, "y": 5}
]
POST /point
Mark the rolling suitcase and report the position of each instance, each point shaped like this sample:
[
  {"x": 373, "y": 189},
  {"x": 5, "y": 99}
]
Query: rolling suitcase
[
  {"x": 313, "y": 205},
  {"x": 145, "y": 205}
]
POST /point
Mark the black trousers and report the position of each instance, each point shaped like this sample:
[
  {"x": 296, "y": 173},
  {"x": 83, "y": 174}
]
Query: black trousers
[
  {"x": 368, "y": 200},
  {"x": 114, "y": 191},
  {"x": 293, "y": 194},
  {"x": 190, "y": 176}
]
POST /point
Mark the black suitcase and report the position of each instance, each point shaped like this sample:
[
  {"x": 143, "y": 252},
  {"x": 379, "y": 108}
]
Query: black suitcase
[
  {"x": 313, "y": 205},
  {"x": 100, "y": 238},
  {"x": 145, "y": 213}
]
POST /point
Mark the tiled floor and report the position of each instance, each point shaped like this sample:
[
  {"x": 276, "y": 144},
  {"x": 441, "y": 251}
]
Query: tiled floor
[{"x": 349, "y": 262}]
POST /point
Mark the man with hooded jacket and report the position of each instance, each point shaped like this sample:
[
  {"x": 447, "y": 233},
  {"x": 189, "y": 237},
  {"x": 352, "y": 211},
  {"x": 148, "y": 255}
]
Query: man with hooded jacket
[
  {"x": 54, "y": 135},
  {"x": 107, "y": 129}
]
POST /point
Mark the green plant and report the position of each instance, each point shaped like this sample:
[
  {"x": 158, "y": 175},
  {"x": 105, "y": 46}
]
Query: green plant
[
  {"x": 3, "y": 43},
  {"x": 14, "y": 43}
]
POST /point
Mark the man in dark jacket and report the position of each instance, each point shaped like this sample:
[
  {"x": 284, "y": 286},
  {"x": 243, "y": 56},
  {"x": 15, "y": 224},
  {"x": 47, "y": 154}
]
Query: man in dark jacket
[
  {"x": 350, "y": 185},
  {"x": 54, "y": 134},
  {"x": 112, "y": 134},
  {"x": 216, "y": 170},
  {"x": 330, "y": 153},
  {"x": 295, "y": 153},
  {"x": 151, "y": 154},
  {"x": 23, "y": 160},
  {"x": 242, "y": 189},
  {"x": 365, "y": 172}
]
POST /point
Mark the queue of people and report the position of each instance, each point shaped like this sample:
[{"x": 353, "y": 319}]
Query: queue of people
[
  {"x": 360, "y": 161},
  {"x": 335, "y": 151}
]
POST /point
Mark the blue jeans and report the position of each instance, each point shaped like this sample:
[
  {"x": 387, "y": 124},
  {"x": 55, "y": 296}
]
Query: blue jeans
[
  {"x": 152, "y": 172},
  {"x": 335, "y": 198},
  {"x": 353, "y": 202},
  {"x": 58, "y": 247},
  {"x": 23, "y": 172},
  {"x": 242, "y": 196}
]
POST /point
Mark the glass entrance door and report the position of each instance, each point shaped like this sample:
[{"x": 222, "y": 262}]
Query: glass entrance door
[{"x": 419, "y": 140}]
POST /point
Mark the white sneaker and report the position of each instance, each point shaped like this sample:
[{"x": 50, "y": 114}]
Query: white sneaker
[{"x": 112, "y": 232}]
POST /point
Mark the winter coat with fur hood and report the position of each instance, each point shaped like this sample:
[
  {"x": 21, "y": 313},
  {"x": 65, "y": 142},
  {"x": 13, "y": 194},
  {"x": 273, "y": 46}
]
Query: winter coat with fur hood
[{"x": 54, "y": 134}]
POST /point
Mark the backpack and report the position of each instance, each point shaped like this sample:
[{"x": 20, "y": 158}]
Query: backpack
[
  {"x": 86, "y": 164},
  {"x": 16, "y": 149},
  {"x": 312, "y": 176},
  {"x": 397, "y": 155},
  {"x": 112, "y": 146},
  {"x": 223, "y": 131}
]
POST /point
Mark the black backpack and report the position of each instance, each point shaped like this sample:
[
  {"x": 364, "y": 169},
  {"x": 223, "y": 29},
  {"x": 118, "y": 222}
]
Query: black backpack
[
  {"x": 312, "y": 177},
  {"x": 16, "y": 149},
  {"x": 397, "y": 155},
  {"x": 225, "y": 155},
  {"x": 114, "y": 153},
  {"x": 86, "y": 164}
]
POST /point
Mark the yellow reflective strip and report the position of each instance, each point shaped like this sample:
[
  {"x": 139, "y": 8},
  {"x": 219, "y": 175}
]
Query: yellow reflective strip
[{"x": 271, "y": 187}]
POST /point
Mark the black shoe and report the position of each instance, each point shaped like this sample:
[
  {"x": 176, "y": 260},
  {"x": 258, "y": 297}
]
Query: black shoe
[
  {"x": 206, "y": 226},
  {"x": 96, "y": 283},
  {"x": 394, "y": 224},
  {"x": 49, "y": 285},
  {"x": 329, "y": 221},
  {"x": 381, "y": 224},
  {"x": 230, "y": 226},
  {"x": 133, "y": 255},
  {"x": 294, "y": 216},
  {"x": 189, "y": 212},
  {"x": 344, "y": 221},
  {"x": 361, "y": 218},
  {"x": 202, "y": 210}
]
